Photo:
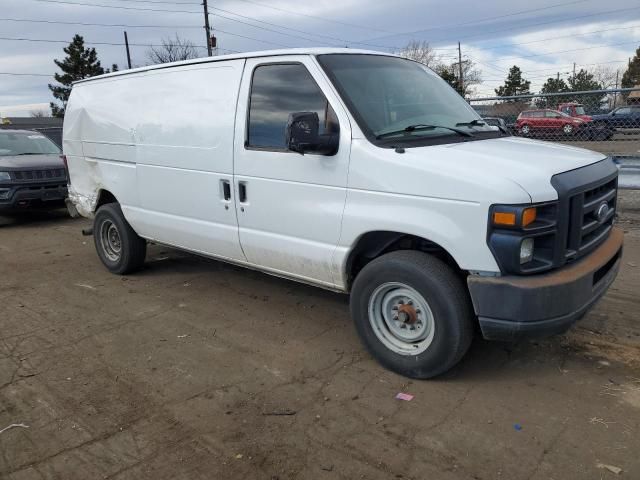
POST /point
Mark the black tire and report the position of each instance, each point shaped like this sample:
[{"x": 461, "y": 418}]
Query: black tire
[
  {"x": 447, "y": 298},
  {"x": 132, "y": 248}
]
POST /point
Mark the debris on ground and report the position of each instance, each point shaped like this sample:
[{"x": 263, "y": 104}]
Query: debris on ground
[
  {"x": 407, "y": 397},
  {"x": 280, "y": 413},
  {"x": 611, "y": 468},
  {"x": 183, "y": 336},
  {"x": 14, "y": 425},
  {"x": 84, "y": 285},
  {"x": 517, "y": 427}
]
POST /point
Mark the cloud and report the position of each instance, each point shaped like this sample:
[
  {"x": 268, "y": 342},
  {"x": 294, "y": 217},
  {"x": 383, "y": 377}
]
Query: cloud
[{"x": 358, "y": 23}]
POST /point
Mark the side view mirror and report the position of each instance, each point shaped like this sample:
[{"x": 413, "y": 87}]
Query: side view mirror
[{"x": 303, "y": 135}]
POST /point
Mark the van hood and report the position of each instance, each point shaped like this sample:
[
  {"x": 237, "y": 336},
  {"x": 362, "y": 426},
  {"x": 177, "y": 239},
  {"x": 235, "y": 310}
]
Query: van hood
[
  {"x": 529, "y": 163},
  {"x": 498, "y": 170}
]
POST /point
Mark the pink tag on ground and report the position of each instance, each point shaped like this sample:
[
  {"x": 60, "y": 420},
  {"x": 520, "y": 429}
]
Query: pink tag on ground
[{"x": 404, "y": 396}]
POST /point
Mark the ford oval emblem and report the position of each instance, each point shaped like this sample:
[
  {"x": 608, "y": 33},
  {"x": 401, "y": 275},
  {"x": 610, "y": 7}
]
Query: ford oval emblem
[{"x": 602, "y": 212}]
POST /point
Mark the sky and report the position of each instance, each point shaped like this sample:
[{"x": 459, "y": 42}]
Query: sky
[{"x": 542, "y": 38}]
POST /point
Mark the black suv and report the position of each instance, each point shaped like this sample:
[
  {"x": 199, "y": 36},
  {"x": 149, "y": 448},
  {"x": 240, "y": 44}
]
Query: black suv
[{"x": 32, "y": 172}]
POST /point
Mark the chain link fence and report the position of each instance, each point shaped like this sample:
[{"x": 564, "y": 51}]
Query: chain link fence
[{"x": 606, "y": 121}]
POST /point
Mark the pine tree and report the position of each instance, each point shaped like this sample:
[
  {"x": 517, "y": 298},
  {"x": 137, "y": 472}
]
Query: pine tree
[
  {"x": 448, "y": 76},
  {"x": 79, "y": 63},
  {"x": 582, "y": 81},
  {"x": 514, "y": 84},
  {"x": 631, "y": 77},
  {"x": 552, "y": 85}
]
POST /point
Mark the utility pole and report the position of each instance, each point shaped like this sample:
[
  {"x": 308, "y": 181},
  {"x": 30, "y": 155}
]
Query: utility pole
[
  {"x": 615, "y": 94},
  {"x": 460, "y": 79},
  {"x": 207, "y": 29},
  {"x": 558, "y": 77},
  {"x": 574, "y": 70},
  {"x": 126, "y": 43}
]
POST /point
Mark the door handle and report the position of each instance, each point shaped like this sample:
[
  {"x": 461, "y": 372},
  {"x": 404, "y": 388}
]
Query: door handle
[
  {"x": 226, "y": 190},
  {"x": 242, "y": 192}
]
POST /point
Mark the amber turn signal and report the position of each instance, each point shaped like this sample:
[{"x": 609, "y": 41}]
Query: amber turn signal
[
  {"x": 504, "y": 218},
  {"x": 529, "y": 216}
]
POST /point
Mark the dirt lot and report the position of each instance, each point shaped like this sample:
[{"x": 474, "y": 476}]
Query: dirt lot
[{"x": 193, "y": 369}]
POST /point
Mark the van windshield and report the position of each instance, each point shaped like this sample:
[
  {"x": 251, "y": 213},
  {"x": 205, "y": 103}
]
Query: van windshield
[{"x": 398, "y": 101}]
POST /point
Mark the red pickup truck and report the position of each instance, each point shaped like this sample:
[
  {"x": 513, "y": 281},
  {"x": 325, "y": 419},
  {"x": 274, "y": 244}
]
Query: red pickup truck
[{"x": 574, "y": 110}]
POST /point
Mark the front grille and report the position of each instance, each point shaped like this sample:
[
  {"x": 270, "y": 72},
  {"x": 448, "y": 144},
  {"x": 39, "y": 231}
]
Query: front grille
[
  {"x": 49, "y": 174},
  {"x": 587, "y": 206}
]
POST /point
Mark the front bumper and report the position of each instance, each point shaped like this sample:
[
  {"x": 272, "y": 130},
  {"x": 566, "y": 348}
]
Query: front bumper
[
  {"x": 514, "y": 307},
  {"x": 34, "y": 196}
]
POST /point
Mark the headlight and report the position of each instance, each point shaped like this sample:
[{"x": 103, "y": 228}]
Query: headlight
[
  {"x": 4, "y": 177},
  {"x": 521, "y": 237},
  {"x": 526, "y": 250}
]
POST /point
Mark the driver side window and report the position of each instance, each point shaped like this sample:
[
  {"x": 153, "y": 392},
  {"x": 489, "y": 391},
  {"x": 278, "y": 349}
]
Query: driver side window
[{"x": 277, "y": 91}]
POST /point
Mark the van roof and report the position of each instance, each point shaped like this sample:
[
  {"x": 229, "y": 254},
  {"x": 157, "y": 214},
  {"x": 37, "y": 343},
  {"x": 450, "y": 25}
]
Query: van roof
[{"x": 237, "y": 56}]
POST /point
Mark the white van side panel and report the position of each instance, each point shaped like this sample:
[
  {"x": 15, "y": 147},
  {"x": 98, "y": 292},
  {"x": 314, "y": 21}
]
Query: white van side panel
[{"x": 162, "y": 142}]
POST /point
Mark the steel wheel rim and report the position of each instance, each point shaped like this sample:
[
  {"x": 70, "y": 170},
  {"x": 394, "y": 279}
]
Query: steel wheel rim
[
  {"x": 110, "y": 240},
  {"x": 401, "y": 318}
]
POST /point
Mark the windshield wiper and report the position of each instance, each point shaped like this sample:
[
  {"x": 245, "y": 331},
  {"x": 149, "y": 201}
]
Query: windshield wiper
[
  {"x": 29, "y": 153},
  {"x": 476, "y": 122},
  {"x": 422, "y": 127}
]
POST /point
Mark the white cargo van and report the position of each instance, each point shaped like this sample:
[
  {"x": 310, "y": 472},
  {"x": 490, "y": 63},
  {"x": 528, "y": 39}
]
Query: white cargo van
[{"x": 355, "y": 171}]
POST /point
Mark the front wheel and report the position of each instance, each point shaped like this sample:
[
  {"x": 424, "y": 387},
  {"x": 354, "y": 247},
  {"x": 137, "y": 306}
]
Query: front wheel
[
  {"x": 119, "y": 247},
  {"x": 413, "y": 313}
]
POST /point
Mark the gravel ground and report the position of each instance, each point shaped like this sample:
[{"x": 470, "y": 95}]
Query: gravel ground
[{"x": 193, "y": 369}]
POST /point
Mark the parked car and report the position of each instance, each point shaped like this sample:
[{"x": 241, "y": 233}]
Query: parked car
[
  {"x": 575, "y": 110},
  {"x": 32, "y": 173},
  {"x": 547, "y": 122},
  {"x": 621, "y": 117},
  {"x": 359, "y": 172}
]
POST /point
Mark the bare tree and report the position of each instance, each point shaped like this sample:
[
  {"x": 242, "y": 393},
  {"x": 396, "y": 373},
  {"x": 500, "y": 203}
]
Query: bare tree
[
  {"x": 172, "y": 50},
  {"x": 470, "y": 73},
  {"x": 421, "y": 51},
  {"x": 605, "y": 75},
  {"x": 38, "y": 114}
]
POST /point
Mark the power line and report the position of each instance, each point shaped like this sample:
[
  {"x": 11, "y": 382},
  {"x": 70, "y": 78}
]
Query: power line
[
  {"x": 316, "y": 17},
  {"x": 341, "y": 41},
  {"x": 42, "y": 40},
  {"x": 599, "y": 14},
  {"x": 27, "y": 74},
  {"x": 119, "y": 25},
  {"x": 291, "y": 12},
  {"x": 553, "y": 38},
  {"x": 570, "y": 50},
  {"x": 124, "y": 25},
  {"x": 439, "y": 27},
  {"x": 116, "y": 7}
]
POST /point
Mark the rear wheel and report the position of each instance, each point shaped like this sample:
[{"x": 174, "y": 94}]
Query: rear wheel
[
  {"x": 567, "y": 129},
  {"x": 413, "y": 313},
  {"x": 525, "y": 130},
  {"x": 119, "y": 247}
]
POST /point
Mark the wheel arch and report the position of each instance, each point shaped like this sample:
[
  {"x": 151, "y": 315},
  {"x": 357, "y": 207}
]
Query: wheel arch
[
  {"x": 103, "y": 197},
  {"x": 373, "y": 244}
]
